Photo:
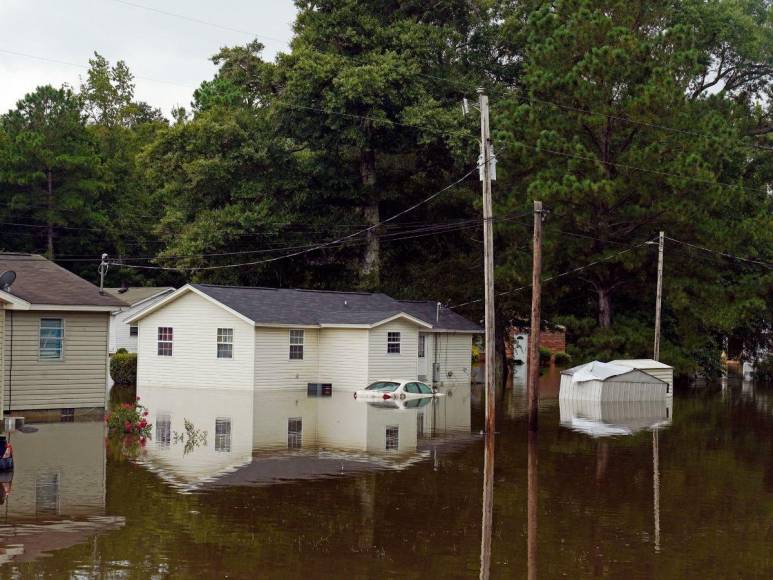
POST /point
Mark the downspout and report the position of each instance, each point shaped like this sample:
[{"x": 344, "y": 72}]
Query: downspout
[{"x": 10, "y": 363}]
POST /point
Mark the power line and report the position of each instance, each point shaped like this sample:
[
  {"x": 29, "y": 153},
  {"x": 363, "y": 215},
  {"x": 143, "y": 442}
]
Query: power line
[
  {"x": 561, "y": 275},
  {"x": 723, "y": 254}
]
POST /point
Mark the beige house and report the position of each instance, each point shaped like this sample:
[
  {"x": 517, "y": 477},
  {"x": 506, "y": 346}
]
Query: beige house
[
  {"x": 268, "y": 338},
  {"x": 54, "y": 330}
]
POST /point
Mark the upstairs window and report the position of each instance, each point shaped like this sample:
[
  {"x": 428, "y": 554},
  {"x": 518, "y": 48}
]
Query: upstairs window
[
  {"x": 296, "y": 344},
  {"x": 393, "y": 343},
  {"x": 51, "y": 338},
  {"x": 225, "y": 343},
  {"x": 134, "y": 330},
  {"x": 165, "y": 337}
]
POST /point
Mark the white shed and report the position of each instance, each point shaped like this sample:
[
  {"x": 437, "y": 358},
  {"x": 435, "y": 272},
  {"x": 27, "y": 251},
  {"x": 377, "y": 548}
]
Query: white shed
[
  {"x": 598, "y": 381},
  {"x": 651, "y": 367}
]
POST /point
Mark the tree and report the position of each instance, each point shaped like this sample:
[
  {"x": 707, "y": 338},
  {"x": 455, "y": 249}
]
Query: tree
[{"x": 49, "y": 169}]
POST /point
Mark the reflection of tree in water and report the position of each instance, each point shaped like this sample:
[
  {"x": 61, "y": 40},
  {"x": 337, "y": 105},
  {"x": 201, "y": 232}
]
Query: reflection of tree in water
[{"x": 192, "y": 437}]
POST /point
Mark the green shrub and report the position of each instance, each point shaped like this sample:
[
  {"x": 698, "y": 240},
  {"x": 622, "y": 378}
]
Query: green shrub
[
  {"x": 562, "y": 359},
  {"x": 123, "y": 368},
  {"x": 122, "y": 350},
  {"x": 544, "y": 356}
]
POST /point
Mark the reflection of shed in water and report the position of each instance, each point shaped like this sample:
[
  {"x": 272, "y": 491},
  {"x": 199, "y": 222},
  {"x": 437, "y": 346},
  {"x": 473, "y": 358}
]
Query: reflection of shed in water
[
  {"x": 609, "y": 418},
  {"x": 597, "y": 381}
]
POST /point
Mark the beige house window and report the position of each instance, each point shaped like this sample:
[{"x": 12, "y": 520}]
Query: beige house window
[
  {"x": 51, "y": 338},
  {"x": 225, "y": 343},
  {"x": 296, "y": 344},
  {"x": 165, "y": 338}
]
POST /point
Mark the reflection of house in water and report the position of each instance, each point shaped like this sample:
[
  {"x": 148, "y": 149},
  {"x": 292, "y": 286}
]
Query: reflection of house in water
[
  {"x": 609, "y": 418},
  {"x": 56, "y": 494},
  {"x": 268, "y": 437}
]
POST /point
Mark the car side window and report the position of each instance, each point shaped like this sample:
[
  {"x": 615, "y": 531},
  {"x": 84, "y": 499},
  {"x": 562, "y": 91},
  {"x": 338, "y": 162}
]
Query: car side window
[
  {"x": 412, "y": 388},
  {"x": 424, "y": 389}
]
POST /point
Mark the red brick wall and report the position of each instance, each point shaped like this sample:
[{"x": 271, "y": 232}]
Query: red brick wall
[{"x": 554, "y": 341}]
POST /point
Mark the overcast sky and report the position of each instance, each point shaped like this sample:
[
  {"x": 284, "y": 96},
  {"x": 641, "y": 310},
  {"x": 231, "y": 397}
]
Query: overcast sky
[{"x": 157, "y": 47}]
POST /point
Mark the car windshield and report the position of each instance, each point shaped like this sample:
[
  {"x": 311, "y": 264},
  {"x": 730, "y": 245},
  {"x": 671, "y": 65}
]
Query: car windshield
[
  {"x": 383, "y": 386},
  {"x": 424, "y": 389}
]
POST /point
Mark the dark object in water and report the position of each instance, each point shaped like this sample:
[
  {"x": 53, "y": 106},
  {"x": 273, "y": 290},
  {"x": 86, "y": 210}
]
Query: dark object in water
[{"x": 6, "y": 454}]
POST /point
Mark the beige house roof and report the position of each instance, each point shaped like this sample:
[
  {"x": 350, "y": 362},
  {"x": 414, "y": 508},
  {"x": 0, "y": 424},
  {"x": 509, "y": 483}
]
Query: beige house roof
[
  {"x": 41, "y": 282},
  {"x": 136, "y": 294}
]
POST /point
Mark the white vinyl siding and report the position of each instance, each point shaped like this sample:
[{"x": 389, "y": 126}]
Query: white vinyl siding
[
  {"x": 343, "y": 358},
  {"x": 274, "y": 370},
  {"x": 75, "y": 381},
  {"x": 194, "y": 363},
  {"x": 384, "y": 365},
  {"x": 454, "y": 358}
]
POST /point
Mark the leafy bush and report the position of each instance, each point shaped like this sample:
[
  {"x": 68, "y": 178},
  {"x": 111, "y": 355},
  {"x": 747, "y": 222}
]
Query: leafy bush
[
  {"x": 128, "y": 418},
  {"x": 562, "y": 359},
  {"x": 122, "y": 350},
  {"x": 123, "y": 368},
  {"x": 544, "y": 356}
]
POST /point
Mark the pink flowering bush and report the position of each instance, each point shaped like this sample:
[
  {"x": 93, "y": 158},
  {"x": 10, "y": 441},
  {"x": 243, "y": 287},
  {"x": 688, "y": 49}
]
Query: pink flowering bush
[{"x": 129, "y": 418}]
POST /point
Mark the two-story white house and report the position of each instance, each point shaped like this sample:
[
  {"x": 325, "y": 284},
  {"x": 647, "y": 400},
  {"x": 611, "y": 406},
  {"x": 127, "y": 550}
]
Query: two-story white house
[{"x": 269, "y": 338}]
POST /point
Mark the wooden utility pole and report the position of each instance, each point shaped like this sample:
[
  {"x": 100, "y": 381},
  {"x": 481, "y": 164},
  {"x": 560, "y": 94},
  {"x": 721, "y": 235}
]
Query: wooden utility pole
[
  {"x": 488, "y": 262},
  {"x": 532, "y": 379},
  {"x": 658, "y": 297}
]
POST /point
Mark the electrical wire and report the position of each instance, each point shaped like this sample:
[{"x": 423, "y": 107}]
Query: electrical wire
[{"x": 723, "y": 254}]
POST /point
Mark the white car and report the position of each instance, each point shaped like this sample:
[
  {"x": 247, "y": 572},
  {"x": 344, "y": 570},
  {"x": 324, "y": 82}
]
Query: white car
[{"x": 395, "y": 389}]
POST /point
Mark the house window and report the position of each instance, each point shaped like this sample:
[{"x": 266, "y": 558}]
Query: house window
[
  {"x": 393, "y": 343},
  {"x": 225, "y": 343},
  {"x": 422, "y": 345},
  {"x": 420, "y": 424},
  {"x": 134, "y": 330},
  {"x": 223, "y": 434},
  {"x": 296, "y": 345},
  {"x": 295, "y": 433},
  {"x": 392, "y": 438},
  {"x": 165, "y": 336},
  {"x": 51, "y": 338},
  {"x": 67, "y": 416},
  {"x": 163, "y": 430}
]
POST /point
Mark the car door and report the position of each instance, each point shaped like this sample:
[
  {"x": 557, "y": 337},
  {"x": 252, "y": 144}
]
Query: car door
[{"x": 411, "y": 390}]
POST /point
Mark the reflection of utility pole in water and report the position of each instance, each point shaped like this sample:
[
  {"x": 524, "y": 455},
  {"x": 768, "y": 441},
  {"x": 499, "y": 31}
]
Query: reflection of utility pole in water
[
  {"x": 531, "y": 508},
  {"x": 656, "y": 488},
  {"x": 366, "y": 489},
  {"x": 488, "y": 506}
]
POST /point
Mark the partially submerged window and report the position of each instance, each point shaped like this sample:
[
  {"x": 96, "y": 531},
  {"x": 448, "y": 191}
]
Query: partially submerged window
[
  {"x": 134, "y": 330},
  {"x": 67, "y": 416},
  {"x": 165, "y": 337},
  {"x": 51, "y": 338},
  {"x": 422, "y": 346},
  {"x": 223, "y": 434},
  {"x": 392, "y": 438},
  {"x": 383, "y": 387},
  {"x": 163, "y": 429},
  {"x": 295, "y": 433},
  {"x": 393, "y": 343},
  {"x": 296, "y": 344},
  {"x": 225, "y": 343}
]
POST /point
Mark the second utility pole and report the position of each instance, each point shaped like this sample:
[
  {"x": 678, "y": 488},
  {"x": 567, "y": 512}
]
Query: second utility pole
[
  {"x": 658, "y": 297},
  {"x": 488, "y": 263},
  {"x": 532, "y": 362}
]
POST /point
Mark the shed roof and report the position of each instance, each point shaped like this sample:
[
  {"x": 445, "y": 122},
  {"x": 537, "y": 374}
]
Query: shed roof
[
  {"x": 41, "y": 281},
  {"x": 284, "y": 306},
  {"x": 640, "y": 363},
  {"x": 599, "y": 371},
  {"x": 135, "y": 294}
]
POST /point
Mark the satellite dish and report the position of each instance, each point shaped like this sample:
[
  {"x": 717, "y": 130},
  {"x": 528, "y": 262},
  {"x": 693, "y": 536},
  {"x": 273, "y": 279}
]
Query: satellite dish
[{"x": 6, "y": 279}]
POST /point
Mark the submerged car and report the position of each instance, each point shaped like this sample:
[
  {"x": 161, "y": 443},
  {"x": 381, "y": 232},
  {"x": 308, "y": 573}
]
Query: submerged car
[{"x": 386, "y": 390}]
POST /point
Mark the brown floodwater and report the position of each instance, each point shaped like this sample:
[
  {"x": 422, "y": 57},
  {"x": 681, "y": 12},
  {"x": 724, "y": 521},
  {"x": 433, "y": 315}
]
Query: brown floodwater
[{"x": 285, "y": 485}]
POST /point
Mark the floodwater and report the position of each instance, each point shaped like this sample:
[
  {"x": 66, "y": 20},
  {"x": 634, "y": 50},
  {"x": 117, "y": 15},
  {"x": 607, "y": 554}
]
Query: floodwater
[{"x": 283, "y": 485}]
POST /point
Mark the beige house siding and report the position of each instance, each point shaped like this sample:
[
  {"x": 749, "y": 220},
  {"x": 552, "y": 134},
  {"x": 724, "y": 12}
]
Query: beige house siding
[
  {"x": 343, "y": 358},
  {"x": 273, "y": 367},
  {"x": 382, "y": 365},
  {"x": 454, "y": 357},
  {"x": 194, "y": 361},
  {"x": 78, "y": 380}
]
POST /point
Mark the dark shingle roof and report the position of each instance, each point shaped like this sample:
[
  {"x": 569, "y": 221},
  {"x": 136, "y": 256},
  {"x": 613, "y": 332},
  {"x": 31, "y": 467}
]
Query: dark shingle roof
[
  {"x": 312, "y": 307},
  {"x": 136, "y": 294},
  {"x": 40, "y": 281}
]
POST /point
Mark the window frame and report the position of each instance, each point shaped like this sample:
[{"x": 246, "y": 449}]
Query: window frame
[
  {"x": 391, "y": 438},
  {"x": 422, "y": 345},
  {"x": 221, "y": 339},
  {"x": 223, "y": 439},
  {"x": 170, "y": 341},
  {"x": 134, "y": 330},
  {"x": 391, "y": 334},
  {"x": 295, "y": 435},
  {"x": 298, "y": 332},
  {"x": 60, "y": 358}
]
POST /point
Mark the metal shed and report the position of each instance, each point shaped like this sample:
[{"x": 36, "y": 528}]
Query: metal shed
[
  {"x": 598, "y": 381},
  {"x": 651, "y": 367}
]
